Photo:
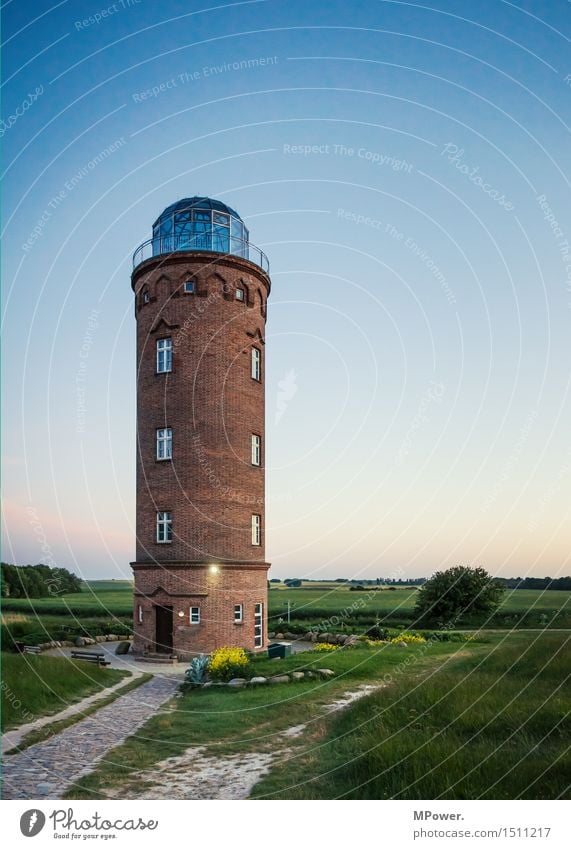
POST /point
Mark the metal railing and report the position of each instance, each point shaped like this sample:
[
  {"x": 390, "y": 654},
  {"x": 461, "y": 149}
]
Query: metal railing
[{"x": 209, "y": 242}]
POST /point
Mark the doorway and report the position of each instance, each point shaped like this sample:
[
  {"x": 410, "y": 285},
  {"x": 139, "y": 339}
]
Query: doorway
[{"x": 163, "y": 629}]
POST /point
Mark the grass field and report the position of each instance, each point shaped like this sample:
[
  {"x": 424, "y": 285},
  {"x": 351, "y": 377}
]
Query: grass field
[
  {"x": 313, "y": 605},
  {"x": 35, "y": 685},
  {"x": 491, "y": 727},
  {"x": 486, "y": 719},
  {"x": 524, "y": 607}
]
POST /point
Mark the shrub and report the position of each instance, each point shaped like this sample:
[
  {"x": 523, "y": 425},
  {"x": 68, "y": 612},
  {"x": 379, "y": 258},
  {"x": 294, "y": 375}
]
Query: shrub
[
  {"x": 409, "y": 639},
  {"x": 228, "y": 662},
  {"x": 196, "y": 672},
  {"x": 324, "y": 647},
  {"x": 377, "y": 633}
]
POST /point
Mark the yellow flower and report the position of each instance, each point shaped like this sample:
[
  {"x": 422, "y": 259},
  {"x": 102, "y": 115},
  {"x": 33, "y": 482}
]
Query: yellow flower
[
  {"x": 409, "y": 639},
  {"x": 227, "y": 662}
]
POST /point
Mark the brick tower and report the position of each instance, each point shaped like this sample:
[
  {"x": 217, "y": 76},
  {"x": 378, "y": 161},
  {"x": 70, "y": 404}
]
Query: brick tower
[{"x": 200, "y": 291}]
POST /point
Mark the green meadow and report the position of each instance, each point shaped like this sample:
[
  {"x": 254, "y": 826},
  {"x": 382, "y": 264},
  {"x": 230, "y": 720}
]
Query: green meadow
[
  {"x": 106, "y": 607},
  {"x": 36, "y": 685}
]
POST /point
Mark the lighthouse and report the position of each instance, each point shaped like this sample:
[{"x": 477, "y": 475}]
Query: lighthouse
[{"x": 201, "y": 290}]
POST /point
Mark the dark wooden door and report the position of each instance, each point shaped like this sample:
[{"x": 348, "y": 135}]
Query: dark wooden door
[{"x": 163, "y": 629}]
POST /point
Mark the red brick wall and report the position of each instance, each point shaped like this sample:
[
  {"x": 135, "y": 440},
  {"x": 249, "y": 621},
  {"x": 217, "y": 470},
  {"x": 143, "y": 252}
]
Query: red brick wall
[
  {"x": 216, "y": 594},
  {"x": 213, "y": 406}
]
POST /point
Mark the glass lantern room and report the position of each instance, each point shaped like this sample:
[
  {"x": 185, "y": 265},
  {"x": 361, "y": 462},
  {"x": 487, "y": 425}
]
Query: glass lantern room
[{"x": 200, "y": 224}]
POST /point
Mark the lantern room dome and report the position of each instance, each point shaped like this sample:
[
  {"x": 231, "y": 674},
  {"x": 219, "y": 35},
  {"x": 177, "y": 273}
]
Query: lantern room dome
[
  {"x": 196, "y": 203},
  {"x": 200, "y": 224}
]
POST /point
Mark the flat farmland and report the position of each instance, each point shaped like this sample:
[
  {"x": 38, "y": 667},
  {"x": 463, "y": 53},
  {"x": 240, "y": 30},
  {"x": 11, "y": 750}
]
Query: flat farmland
[
  {"x": 320, "y": 603},
  {"x": 535, "y": 607}
]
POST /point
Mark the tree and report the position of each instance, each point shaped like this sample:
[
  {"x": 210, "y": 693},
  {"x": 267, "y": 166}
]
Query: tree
[{"x": 457, "y": 592}]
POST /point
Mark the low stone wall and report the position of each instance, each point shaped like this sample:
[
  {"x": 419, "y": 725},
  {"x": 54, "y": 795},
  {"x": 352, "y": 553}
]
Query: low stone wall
[
  {"x": 85, "y": 641},
  {"x": 314, "y": 637},
  {"x": 260, "y": 681}
]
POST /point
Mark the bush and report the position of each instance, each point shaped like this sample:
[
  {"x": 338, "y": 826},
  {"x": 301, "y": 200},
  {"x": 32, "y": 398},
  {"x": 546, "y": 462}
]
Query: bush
[
  {"x": 377, "y": 633},
  {"x": 409, "y": 639},
  {"x": 228, "y": 662}
]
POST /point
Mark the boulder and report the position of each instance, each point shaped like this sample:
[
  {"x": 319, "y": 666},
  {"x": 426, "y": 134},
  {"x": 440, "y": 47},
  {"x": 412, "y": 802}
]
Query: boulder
[
  {"x": 309, "y": 674},
  {"x": 258, "y": 679},
  {"x": 351, "y": 640},
  {"x": 100, "y": 639},
  {"x": 237, "y": 682},
  {"x": 314, "y": 636},
  {"x": 323, "y": 638},
  {"x": 279, "y": 636},
  {"x": 297, "y": 676},
  {"x": 307, "y": 636},
  {"x": 112, "y": 638},
  {"x": 123, "y": 647},
  {"x": 79, "y": 642},
  {"x": 402, "y": 644},
  {"x": 279, "y": 679},
  {"x": 325, "y": 673},
  {"x": 289, "y": 636}
]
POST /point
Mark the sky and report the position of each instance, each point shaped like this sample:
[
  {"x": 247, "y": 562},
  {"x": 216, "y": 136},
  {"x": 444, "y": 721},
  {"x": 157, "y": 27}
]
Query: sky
[{"x": 405, "y": 167}]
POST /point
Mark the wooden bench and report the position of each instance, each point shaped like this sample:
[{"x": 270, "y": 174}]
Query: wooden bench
[
  {"x": 31, "y": 649},
  {"x": 98, "y": 657}
]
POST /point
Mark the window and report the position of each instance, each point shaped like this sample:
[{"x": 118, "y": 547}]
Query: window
[
  {"x": 164, "y": 355},
  {"x": 239, "y": 294},
  {"x": 146, "y": 296},
  {"x": 139, "y": 614},
  {"x": 256, "y": 449},
  {"x": 164, "y": 527},
  {"x": 189, "y": 287},
  {"x": 195, "y": 615},
  {"x": 164, "y": 443},
  {"x": 256, "y": 364},
  {"x": 238, "y": 613},
  {"x": 259, "y": 625},
  {"x": 256, "y": 529}
]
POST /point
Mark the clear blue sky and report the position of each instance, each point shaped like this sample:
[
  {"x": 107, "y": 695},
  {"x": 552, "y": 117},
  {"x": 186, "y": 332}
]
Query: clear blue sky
[{"x": 405, "y": 168}]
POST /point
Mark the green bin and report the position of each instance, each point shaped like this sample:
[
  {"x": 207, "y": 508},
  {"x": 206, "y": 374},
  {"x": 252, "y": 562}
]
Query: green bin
[{"x": 279, "y": 649}]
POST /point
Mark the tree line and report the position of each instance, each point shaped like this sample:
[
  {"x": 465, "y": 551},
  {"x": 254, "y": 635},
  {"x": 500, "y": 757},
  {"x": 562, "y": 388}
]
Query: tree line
[
  {"x": 39, "y": 581},
  {"x": 563, "y": 583}
]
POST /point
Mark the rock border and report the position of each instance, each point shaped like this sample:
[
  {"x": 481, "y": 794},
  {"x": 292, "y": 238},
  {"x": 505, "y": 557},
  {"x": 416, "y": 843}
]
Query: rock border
[
  {"x": 260, "y": 680},
  {"x": 86, "y": 641}
]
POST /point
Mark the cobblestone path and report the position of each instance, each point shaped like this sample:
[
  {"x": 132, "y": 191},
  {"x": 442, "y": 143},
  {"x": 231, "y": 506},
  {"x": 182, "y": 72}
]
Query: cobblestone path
[{"x": 45, "y": 770}]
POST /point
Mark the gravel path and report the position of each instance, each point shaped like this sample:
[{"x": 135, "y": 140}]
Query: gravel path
[{"x": 45, "y": 770}]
